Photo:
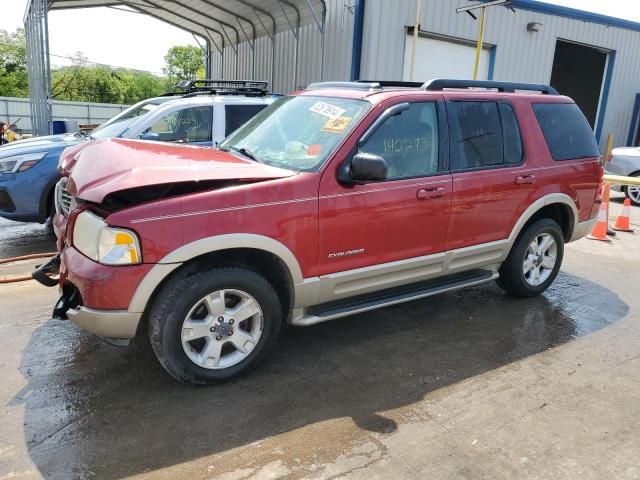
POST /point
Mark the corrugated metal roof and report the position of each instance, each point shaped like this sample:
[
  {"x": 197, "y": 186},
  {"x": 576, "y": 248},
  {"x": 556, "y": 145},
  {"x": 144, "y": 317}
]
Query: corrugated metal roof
[{"x": 230, "y": 21}]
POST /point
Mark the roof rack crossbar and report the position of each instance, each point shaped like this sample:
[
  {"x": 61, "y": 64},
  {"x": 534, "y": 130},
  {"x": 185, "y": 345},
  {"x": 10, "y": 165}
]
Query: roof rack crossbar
[
  {"x": 349, "y": 85},
  {"x": 444, "y": 83}
]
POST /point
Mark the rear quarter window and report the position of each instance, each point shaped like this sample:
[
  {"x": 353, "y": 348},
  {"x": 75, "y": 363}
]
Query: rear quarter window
[
  {"x": 238, "y": 115},
  {"x": 566, "y": 130}
]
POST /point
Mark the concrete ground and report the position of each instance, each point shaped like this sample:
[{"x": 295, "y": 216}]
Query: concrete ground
[{"x": 471, "y": 384}]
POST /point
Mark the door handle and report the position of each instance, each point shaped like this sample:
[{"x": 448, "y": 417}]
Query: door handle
[
  {"x": 429, "y": 193},
  {"x": 525, "y": 179}
]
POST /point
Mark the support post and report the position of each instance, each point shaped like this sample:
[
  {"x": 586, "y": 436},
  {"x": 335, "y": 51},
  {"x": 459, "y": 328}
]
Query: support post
[
  {"x": 296, "y": 34},
  {"x": 607, "y": 151},
  {"x": 416, "y": 27},
  {"x": 479, "y": 44}
]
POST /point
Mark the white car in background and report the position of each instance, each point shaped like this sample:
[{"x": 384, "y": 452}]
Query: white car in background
[{"x": 625, "y": 161}]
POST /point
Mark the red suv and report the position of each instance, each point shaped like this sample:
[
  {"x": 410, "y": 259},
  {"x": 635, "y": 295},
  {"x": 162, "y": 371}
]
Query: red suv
[{"x": 346, "y": 197}]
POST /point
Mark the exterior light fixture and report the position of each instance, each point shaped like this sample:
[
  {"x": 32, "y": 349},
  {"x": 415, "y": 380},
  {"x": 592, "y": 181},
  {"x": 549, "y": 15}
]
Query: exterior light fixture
[{"x": 534, "y": 27}]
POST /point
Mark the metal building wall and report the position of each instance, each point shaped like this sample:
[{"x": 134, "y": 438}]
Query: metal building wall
[
  {"x": 520, "y": 55},
  {"x": 337, "y": 53}
]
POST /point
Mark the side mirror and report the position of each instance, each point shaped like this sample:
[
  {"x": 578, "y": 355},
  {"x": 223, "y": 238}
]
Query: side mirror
[
  {"x": 363, "y": 167},
  {"x": 150, "y": 136}
]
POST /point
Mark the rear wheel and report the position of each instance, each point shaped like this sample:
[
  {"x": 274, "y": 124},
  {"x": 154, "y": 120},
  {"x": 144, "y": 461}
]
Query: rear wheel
[
  {"x": 633, "y": 192},
  {"x": 534, "y": 260},
  {"x": 209, "y": 325}
]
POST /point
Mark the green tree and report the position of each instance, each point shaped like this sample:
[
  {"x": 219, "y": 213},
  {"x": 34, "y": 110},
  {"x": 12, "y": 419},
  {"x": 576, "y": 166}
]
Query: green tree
[
  {"x": 140, "y": 85},
  {"x": 184, "y": 63},
  {"x": 94, "y": 83},
  {"x": 86, "y": 82},
  {"x": 13, "y": 64}
]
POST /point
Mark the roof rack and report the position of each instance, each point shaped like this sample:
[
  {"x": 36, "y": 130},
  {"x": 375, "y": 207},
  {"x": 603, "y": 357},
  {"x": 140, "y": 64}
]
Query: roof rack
[
  {"x": 349, "y": 85},
  {"x": 443, "y": 83},
  {"x": 364, "y": 84},
  {"x": 220, "y": 87},
  {"x": 393, "y": 83}
]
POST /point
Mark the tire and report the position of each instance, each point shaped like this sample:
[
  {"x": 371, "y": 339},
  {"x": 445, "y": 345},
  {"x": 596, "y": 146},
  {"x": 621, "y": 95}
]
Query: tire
[
  {"x": 515, "y": 278},
  {"x": 194, "y": 334},
  {"x": 634, "y": 194},
  {"x": 51, "y": 211}
]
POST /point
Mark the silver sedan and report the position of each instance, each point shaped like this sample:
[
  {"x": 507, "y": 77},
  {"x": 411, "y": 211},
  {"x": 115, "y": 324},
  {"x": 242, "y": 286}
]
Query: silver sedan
[{"x": 626, "y": 161}]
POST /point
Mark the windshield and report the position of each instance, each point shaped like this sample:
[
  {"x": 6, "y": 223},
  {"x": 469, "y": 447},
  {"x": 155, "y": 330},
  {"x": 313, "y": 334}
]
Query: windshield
[
  {"x": 118, "y": 124},
  {"x": 298, "y": 133}
]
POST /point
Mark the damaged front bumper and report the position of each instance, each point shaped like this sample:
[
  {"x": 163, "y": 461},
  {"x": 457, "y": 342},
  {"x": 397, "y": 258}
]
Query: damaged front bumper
[
  {"x": 114, "y": 326},
  {"x": 69, "y": 298},
  {"x": 109, "y": 324},
  {"x": 42, "y": 273}
]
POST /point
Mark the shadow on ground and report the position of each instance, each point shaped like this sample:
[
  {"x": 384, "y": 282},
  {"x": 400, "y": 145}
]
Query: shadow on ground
[{"x": 113, "y": 412}]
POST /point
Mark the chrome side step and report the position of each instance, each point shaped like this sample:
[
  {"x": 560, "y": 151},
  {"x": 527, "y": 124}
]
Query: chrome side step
[{"x": 394, "y": 296}]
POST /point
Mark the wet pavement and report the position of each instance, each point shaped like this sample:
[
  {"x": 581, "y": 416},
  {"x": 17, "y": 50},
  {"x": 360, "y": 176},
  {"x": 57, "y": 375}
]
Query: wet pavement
[{"x": 468, "y": 384}]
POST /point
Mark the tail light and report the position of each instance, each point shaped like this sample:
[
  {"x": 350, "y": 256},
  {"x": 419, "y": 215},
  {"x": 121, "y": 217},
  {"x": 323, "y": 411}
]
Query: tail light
[{"x": 600, "y": 189}]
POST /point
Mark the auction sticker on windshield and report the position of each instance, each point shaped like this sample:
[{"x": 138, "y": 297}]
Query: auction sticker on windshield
[
  {"x": 326, "y": 109},
  {"x": 336, "y": 125}
]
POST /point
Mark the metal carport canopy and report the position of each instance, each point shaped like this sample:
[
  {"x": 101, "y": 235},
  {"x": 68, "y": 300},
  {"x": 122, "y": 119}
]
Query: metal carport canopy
[{"x": 222, "y": 23}]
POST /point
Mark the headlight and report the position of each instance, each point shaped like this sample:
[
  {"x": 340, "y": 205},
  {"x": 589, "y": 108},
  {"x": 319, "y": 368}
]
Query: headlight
[
  {"x": 20, "y": 163},
  {"x": 104, "y": 244}
]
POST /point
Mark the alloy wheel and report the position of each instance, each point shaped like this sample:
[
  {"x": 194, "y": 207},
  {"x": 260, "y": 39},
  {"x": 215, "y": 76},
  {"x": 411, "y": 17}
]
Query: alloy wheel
[
  {"x": 222, "y": 329},
  {"x": 540, "y": 259},
  {"x": 634, "y": 194}
]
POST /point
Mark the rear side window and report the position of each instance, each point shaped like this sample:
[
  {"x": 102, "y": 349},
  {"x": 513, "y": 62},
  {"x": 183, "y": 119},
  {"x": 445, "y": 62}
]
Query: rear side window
[
  {"x": 238, "y": 115},
  {"x": 510, "y": 135},
  {"x": 566, "y": 130},
  {"x": 483, "y": 134}
]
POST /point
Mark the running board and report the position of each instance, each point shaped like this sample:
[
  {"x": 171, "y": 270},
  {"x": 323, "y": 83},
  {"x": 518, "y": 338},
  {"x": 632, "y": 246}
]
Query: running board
[{"x": 393, "y": 296}]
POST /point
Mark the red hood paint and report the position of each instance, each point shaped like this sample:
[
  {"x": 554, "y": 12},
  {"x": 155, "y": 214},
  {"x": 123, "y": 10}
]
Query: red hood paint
[{"x": 101, "y": 167}]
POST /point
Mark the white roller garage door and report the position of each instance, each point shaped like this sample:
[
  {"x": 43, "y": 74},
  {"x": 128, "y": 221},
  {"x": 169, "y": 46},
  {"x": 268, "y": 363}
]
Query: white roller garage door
[{"x": 443, "y": 59}]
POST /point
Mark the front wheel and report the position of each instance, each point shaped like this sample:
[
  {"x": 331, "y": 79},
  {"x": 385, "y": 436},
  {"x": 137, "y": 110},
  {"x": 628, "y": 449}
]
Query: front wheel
[
  {"x": 633, "y": 192},
  {"x": 211, "y": 324},
  {"x": 534, "y": 260}
]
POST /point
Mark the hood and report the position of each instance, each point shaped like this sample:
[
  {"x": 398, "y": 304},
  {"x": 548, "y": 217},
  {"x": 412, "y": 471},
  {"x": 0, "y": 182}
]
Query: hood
[
  {"x": 99, "y": 168},
  {"x": 626, "y": 151},
  {"x": 39, "y": 144}
]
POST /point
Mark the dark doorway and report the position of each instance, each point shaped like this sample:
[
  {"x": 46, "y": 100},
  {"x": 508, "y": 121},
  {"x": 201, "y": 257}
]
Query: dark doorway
[
  {"x": 634, "y": 130},
  {"x": 578, "y": 72}
]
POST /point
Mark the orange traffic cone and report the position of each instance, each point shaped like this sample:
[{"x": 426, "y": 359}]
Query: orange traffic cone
[
  {"x": 599, "y": 231},
  {"x": 623, "y": 222}
]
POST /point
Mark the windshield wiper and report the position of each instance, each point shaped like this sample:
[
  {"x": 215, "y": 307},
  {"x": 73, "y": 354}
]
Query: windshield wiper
[{"x": 245, "y": 152}]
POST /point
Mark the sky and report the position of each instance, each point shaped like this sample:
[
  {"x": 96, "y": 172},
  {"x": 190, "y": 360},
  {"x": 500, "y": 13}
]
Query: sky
[
  {"x": 131, "y": 40},
  {"x": 103, "y": 35}
]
